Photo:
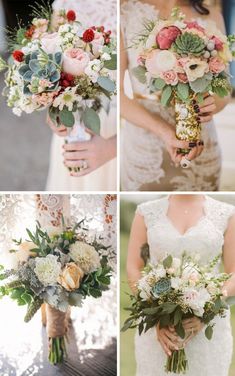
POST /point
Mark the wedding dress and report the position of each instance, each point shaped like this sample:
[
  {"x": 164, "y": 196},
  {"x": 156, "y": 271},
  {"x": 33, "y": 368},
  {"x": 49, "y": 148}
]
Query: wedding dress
[
  {"x": 206, "y": 239},
  {"x": 89, "y": 13},
  {"x": 146, "y": 165}
]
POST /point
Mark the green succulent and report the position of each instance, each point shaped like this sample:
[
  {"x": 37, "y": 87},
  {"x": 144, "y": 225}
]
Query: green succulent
[
  {"x": 189, "y": 43},
  {"x": 161, "y": 287},
  {"x": 39, "y": 65}
]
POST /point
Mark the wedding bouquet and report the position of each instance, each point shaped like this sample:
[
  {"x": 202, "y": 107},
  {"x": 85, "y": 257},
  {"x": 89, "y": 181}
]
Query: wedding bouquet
[
  {"x": 61, "y": 269},
  {"x": 58, "y": 65},
  {"x": 183, "y": 60},
  {"x": 173, "y": 290}
]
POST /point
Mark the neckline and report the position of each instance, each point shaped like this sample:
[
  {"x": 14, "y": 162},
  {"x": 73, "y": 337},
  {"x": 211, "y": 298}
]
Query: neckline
[{"x": 190, "y": 228}]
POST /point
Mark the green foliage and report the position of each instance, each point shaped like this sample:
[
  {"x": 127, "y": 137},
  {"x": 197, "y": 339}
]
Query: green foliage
[
  {"x": 106, "y": 84},
  {"x": 112, "y": 63},
  {"x": 209, "y": 332},
  {"x": 167, "y": 262},
  {"x": 94, "y": 283},
  {"x": 140, "y": 73},
  {"x": 66, "y": 117},
  {"x": 189, "y": 43},
  {"x": 158, "y": 84},
  {"x": 201, "y": 85},
  {"x": 57, "y": 350},
  {"x": 167, "y": 95},
  {"x": 183, "y": 91},
  {"x": 91, "y": 120},
  {"x": 33, "y": 307}
]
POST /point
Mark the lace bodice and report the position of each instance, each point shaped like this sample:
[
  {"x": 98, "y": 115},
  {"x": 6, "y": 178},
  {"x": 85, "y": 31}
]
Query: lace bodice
[
  {"x": 206, "y": 238},
  {"x": 90, "y": 12}
]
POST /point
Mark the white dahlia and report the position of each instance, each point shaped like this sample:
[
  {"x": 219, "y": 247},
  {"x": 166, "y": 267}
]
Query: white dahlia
[
  {"x": 86, "y": 256},
  {"x": 47, "y": 269}
]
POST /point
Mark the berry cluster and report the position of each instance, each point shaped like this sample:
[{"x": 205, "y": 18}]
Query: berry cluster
[
  {"x": 66, "y": 80},
  {"x": 29, "y": 32},
  {"x": 106, "y": 34}
]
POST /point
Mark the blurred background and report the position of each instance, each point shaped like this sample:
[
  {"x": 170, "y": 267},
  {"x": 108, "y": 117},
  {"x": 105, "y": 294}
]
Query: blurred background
[{"x": 128, "y": 206}]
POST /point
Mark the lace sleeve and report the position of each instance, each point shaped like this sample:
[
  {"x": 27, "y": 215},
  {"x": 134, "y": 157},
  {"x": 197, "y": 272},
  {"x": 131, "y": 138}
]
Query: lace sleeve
[
  {"x": 151, "y": 211},
  {"x": 220, "y": 213}
]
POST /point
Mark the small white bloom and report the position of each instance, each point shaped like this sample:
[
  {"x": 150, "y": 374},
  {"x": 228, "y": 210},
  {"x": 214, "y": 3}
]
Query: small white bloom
[
  {"x": 17, "y": 111},
  {"x": 176, "y": 283},
  {"x": 86, "y": 256},
  {"x": 196, "y": 299},
  {"x": 47, "y": 269},
  {"x": 66, "y": 98},
  {"x": 106, "y": 56}
]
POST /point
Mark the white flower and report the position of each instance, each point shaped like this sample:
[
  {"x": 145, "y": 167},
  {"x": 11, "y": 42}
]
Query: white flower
[
  {"x": 190, "y": 274},
  {"x": 86, "y": 256},
  {"x": 196, "y": 299},
  {"x": 17, "y": 111},
  {"x": 159, "y": 272},
  {"x": 47, "y": 269},
  {"x": 92, "y": 70},
  {"x": 176, "y": 282},
  {"x": 66, "y": 98},
  {"x": 106, "y": 56},
  {"x": 159, "y": 61},
  {"x": 145, "y": 288}
]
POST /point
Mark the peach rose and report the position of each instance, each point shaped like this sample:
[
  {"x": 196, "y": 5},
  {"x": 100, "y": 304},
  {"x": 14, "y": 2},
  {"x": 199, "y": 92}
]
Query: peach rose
[
  {"x": 216, "y": 65},
  {"x": 158, "y": 62},
  {"x": 50, "y": 43},
  {"x": 170, "y": 77},
  {"x": 71, "y": 276},
  {"x": 75, "y": 60}
]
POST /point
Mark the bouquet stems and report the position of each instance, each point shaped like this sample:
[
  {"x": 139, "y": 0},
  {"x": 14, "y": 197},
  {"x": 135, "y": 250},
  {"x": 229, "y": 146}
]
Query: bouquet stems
[
  {"x": 187, "y": 126},
  {"x": 57, "y": 350},
  {"x": 177, "y": 362}
]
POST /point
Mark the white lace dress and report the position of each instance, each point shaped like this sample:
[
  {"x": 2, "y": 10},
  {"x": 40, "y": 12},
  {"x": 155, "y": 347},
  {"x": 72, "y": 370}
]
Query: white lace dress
[
  {"x": 206, "y": 238},
  {"x": 146, "y": 165},
  {"x": 90, "y": 12}
]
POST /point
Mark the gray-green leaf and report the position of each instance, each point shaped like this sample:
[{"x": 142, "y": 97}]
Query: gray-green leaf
[
  {"x": 159, "y": 84},
  {"x": 112, "y": 63},
  {"x": 91, "y": 120},
  {"x": 166, "y": 95},
  {"x": 140, "y": 73},
  {"x": 209, "y": 332},
  {"x": 106, "y": 84},
  {"x": 183, "y": 91},
  {"x": 167, "y": 262},
  {"x": 66, "y": 118}
]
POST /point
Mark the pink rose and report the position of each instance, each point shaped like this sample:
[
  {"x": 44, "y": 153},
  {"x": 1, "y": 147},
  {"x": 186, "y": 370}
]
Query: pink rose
[
  {"x": 97, "y": 44},
  {"x": 194, "y": 25},
  {"x": 75, "y": 60},
  {"x": 218, "y": 43},
  {"x": 216, "y": 65},
  {"x": 50, "y": 43},
  {"x": 182, "y": 77},
  {"x": 167, "y": 36},
  {"x": 170, "y": 77}
]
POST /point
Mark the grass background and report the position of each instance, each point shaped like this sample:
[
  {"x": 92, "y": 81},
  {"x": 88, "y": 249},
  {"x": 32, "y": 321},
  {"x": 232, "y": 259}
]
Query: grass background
[{"x": 128, "y": 206}]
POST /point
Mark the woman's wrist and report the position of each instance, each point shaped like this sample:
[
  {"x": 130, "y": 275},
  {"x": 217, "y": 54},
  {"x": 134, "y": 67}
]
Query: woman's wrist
[{"x": 111, "y": 148}]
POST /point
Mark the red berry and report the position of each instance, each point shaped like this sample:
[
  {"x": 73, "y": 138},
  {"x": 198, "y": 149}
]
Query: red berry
[
  {"x": 107, "y": 40},
  {"x": 62, "y": 75},
  {"x": 88, "y": 36},
  {"x": 102, "y": 29},
  {"x": 69, "y": 77},
  {"x": 18, "y": 55},
  {"x": 65, "y": 83},
  {"x": 71, "y": 15},
  {"x": 93, "y": 28},
  {"x": 109, "y": 32}
]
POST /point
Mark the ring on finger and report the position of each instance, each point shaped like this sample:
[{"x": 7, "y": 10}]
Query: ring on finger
[
  {"x": 84, "y": 165},
  {"x": 185, "y": 163}
]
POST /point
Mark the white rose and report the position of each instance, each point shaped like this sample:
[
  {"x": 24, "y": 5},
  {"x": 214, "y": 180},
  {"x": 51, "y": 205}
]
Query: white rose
[
  {"x": 158, "y": 62},
  {"x": 159, "y": 272},
  {"x": 85, "y": 256},
  {"x": 97, "y": 44},
  {"x": 176, "y": 282},
  {"x": 196, "y": 299},
  {"x": 51, "y": 43}
]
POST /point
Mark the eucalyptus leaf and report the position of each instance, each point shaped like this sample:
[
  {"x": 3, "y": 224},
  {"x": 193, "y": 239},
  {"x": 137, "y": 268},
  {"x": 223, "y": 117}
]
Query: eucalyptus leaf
[
  {"x": 167, "y": 262},
  {"x": 209, "y": 332},
  {"x": 106, "y": 84},
  {"x": 91, "y": 120},
  {"x": 140, "y": 73},
  {"x": 166, "y": 95},
  {"x": 200, "y": 85},
  {"x": 127, "y": 325},
  {"x": 28, "y": 76},
  {"x": 180, "y": 330},
  {"x": 66, "y": 118},
  {"x": 75, "y": 299},
  {"x": 183, "y": 91},
  {"x": 112, "y": 63},
  {"x": 159, "y": 84}
]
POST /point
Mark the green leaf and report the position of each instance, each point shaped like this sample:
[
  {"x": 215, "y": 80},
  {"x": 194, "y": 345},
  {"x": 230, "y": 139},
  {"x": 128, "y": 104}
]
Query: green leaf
[
  {"x": 104, "y": 280},
  {"x": 166, "y": 95},
  {"x": 164, "y": 321},
  {"x": 27, "y": 298},
  {"x": 140, "y": 73},
  {"x": 141, "y": 328},
  {"x": 159, "y": 84},
  {"x": 16, "y": 293},
  {"x": 168, "y": 307},
  {"x": 151, "y": 311},
  {"x": 200, "y": 98},
  {"x": 75, "y": 299},
  {"x": 112, "y": 63},
  {"x": 183, "y": 91},
  {"x": 180, "y": 330},
  {"x": 209, "y": 332},
  {"x": 96, "y": 293},
  {"x": 127, "y": 324},
  {"x": 106, "y": 84},
  {"x": 91, "y": 120},
  {"x": 67, "y": 118},
  {"x": 200, "y": 85},
  {"x": 167, "y": 262}
]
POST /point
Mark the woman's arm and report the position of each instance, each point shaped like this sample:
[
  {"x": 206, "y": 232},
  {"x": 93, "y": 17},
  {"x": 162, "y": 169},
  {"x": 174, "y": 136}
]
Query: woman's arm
[
  {"x": 138, "y": 237},
  {"x": 229, "y": 257}
]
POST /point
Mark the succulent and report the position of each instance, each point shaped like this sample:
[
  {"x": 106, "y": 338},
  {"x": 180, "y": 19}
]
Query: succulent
[
  {"x": 161, "y": 287},
  {"x": 189, "y": 43},
  {"x": 40, "y": 66}
]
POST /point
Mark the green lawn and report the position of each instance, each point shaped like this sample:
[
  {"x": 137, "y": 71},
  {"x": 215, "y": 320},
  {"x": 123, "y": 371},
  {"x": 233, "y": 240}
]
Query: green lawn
[{"x": 127, "y": 338}]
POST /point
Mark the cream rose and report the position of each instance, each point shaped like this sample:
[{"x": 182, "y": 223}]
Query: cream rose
[
  {"x": 75, "y": 61},
  {"x": 85, "y": 256},
  {"x": 195, "y": 68},
  {"x": 71, "y": 276},
  {"x": 158, "y": 62},
  {"x": 50, "y": 43}
]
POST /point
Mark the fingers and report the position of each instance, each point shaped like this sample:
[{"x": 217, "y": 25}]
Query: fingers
[
  {"x": 77, "y": 146},
  {"x": 77, "y": 163},
  {"x": 206, "y": 118},
  {"x": 165, "y": 348},
  {"x": 81, "y": 173},
  {"x": 208, "y": 100},
  {"x": 75, "y": 155}
]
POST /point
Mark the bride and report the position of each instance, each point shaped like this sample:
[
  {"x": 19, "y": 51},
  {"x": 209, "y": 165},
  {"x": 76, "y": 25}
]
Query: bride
[
  {"x": 200, "y": 225},
  {"x": 99, "y": 153},
  {"x": 149, "y": 146}
]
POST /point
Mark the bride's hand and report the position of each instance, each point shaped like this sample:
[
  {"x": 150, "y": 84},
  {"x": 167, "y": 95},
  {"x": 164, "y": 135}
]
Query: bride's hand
[
  {"x": 95, "y": 153},
  {"x": 59, "y": 130},
  {"x": 192, "y": 327},
  {"x": 207, "y": 109},
  {"x": 173, "y": 145},
  {"x": 168, "y": 339}
]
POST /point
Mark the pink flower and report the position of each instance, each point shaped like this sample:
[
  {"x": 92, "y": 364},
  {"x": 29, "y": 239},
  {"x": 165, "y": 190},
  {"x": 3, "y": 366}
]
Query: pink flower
[
  {"x": 97, "y": 43},
  {"x": 44, "y": 99},
  {"x": 182, "y": 77},
  {"x": 170, "y": 77},
  {"x": 194, "y": 25},
  {"x": 75, "y": 61},
  {"x": 218, "y": 43},
  {"x": 50, "y": 43},
  {"x": 216, "y": 65},
  {"x": 158, "y": 62},
  {"x": 167, "y": 36}
]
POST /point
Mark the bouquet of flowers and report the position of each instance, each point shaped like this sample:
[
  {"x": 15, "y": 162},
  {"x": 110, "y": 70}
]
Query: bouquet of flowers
[
  {"x": 59, "y": 269},
  {"x": 173, "y": 290},
  {"x": 58, "y": 65},
  {"x": 182, "y": 61}
]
